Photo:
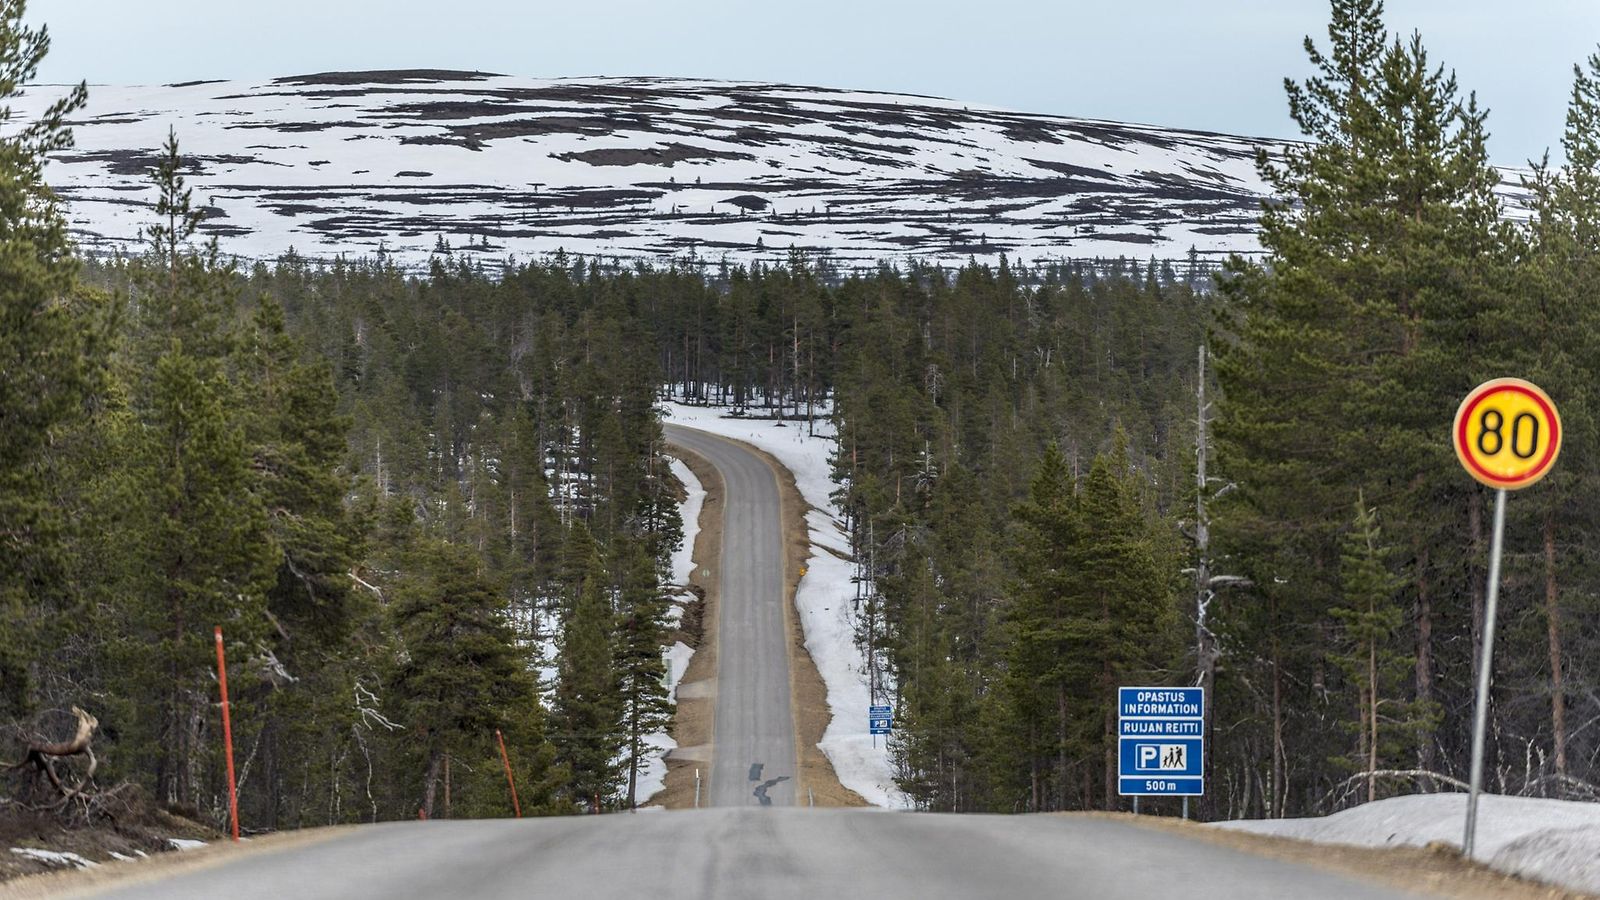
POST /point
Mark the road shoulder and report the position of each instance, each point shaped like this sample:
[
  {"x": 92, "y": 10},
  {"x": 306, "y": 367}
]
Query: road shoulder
[
  {"x": 1439, "y": 872},
  {"x": 107, "y": 876},
  {"x": 694, "y": 721}
]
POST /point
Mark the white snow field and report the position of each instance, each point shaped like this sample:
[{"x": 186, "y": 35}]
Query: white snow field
[
  {"x": 653, "y": 777},
  {"x": 1555, "y": 841},
  {"x": 365, "y": 163},
  {"x": 823, "y": 597}
]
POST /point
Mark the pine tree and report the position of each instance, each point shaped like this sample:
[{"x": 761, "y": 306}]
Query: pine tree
[
  {"x": 461, "y": 674},
  {"x": 1555, "y": 327},
  {"x": 587, "y": 715},
  {"x": 1384, "y": 275},
  {"x": 42, "y": 360},
  {"x": 198, "y": 533},
  {"x": 641, "y": 671}
]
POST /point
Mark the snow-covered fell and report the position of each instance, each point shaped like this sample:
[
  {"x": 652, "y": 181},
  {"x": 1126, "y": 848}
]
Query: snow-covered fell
[{"x": 358, "y": 162}]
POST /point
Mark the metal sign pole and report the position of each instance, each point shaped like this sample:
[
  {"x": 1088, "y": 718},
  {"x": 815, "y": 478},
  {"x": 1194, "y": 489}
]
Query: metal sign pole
[{"x": 1480, "y": 717}]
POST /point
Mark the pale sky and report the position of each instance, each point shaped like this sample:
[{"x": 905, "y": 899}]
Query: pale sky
[{"x": 1207, "y": 64}]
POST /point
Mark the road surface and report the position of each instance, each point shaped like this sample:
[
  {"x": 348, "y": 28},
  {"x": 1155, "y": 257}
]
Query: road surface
[
  {"x": 814, "y": 854},
  {"x": 753, "y": 755}
]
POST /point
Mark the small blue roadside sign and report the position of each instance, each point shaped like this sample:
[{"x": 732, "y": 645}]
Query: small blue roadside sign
[
  {"x": 1161, "y": 741},
  {"x": 880, "y": 719}
]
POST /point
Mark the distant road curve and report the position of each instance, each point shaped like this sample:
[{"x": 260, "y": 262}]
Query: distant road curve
[{"x": 754, "y": 758}]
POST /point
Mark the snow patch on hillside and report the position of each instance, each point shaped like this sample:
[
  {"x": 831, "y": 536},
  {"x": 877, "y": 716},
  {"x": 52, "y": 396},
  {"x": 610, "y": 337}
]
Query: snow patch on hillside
[
  {"x": 823, "y": 597},
  {"x": 1555, "y": 841}
]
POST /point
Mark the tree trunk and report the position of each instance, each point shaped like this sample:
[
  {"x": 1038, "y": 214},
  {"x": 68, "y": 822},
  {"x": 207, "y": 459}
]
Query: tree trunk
[
  {"x": 1424, "y": 660},
  {"x": 1110, "y": 753},
  {"x": 1061, "y": 747},
  {"x": 1558, "y": 702},
  {"x": 633, "y": 766},
  {"x": 1276, "y": 800},
  {"x": 430, "y": 786},
  {"x": 1372, "y": 713}
]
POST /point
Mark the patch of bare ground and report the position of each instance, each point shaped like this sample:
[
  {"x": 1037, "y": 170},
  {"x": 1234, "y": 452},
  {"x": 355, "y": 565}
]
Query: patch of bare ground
[
  {"x": 692, "y": 724},
  {"x": 807, "y": 692},
  {"x": 1435, "y": 870},
  {"x": 122, "y": 874}
]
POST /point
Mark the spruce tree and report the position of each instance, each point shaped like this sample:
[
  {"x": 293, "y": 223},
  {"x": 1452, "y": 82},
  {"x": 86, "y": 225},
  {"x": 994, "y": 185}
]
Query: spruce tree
[
  {"x": 1372, "y": 653},
  {"x": 1126, "y": 578},
  {"x": 1039, "y": 726}
]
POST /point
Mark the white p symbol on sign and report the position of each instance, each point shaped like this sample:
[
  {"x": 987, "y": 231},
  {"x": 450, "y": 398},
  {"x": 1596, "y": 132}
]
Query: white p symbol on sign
[{"x": 1149, "y": 756}]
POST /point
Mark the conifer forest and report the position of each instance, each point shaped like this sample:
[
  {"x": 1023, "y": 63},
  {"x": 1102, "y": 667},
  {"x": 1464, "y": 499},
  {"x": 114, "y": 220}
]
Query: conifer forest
[{"x": 429, "y": 506}]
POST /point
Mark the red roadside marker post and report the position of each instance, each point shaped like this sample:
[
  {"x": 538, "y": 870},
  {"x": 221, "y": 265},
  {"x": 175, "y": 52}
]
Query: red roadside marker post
[
  {"x": 1507, "y": 435},
  {"x": 227, "y": 736},
  {"x": 510, "y": 782}
]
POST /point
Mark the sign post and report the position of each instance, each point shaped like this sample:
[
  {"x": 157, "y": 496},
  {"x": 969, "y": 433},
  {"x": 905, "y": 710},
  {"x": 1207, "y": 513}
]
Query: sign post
[
  {"x": 227, "y": 737},
  {"x": 1507, "y": 435},
  {"x": 1161, "y": 742},
  {"x": 516, "y": 802}
]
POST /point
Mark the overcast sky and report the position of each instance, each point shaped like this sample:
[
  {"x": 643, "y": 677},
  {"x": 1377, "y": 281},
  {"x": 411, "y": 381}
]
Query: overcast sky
[{"x": 1209, "y": 64}]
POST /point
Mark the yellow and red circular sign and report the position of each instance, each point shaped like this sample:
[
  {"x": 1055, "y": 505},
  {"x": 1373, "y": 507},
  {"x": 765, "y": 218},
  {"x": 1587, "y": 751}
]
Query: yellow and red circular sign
[{"x": 1507, "y": 433}]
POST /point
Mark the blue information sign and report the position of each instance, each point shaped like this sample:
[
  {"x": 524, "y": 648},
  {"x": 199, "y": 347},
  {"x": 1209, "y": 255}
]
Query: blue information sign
[
  {"x": 880, "y": 719},
  {"x": 1161, "y": 741}
]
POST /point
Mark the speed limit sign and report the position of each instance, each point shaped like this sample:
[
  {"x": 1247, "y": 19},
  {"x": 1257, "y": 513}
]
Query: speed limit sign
[{"x": 1507, "y": 433}]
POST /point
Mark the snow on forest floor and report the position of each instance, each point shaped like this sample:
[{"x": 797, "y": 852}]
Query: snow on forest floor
[
  {"x": 55, "y": 858},
  {"x": 823, "y": 597},
  {"x": 1554, "y": 841},
  {"x": 653, "y": 775}
]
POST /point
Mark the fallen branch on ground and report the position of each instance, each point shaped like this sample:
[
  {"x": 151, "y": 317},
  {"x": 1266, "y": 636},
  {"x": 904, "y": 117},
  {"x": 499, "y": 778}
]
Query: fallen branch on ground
[{"x": 42, "y": 755}]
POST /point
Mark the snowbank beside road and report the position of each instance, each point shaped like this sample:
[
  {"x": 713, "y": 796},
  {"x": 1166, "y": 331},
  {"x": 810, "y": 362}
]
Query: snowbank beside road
[
  {"x": 689, "y": 509},
  {"x": 1555, "y": 841},
  {"x": 823, "y": 597},
  {"x": 653, "y": 775}
]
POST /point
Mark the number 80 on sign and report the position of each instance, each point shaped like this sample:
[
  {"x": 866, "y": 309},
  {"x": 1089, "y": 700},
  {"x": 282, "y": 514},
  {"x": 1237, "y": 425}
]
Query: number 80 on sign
[{"x": 1507, "y": 433}]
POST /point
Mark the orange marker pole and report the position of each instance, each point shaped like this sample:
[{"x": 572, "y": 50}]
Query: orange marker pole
[
  {"x": 511, "y": 782},
  {"x": 227, "y": 736}
]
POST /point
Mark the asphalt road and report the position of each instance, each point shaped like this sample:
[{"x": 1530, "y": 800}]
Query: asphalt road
[
  {"x": 753, "y": 756},
  {"x": 744, "y": 853}
]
